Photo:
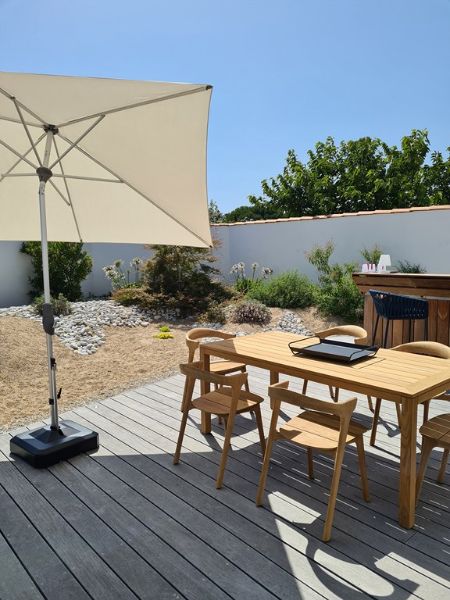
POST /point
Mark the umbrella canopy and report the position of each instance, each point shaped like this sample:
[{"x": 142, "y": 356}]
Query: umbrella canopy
[
  {"x": 128, "y": 159},
  {"x": 113, "y": 161}
]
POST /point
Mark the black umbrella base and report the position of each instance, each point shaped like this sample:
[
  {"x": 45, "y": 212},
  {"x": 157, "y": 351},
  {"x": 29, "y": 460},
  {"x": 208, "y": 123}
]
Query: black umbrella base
[{"x": 44, "y": 446}]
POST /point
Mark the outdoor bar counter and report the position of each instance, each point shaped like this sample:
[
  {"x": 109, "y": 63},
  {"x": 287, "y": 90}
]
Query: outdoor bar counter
[{"x": 433, "y": 287}]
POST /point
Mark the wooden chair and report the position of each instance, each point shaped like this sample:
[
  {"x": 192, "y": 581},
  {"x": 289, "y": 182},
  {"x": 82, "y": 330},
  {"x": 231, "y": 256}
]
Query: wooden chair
[
  {"x": 227, "y": 401},
  {"x": 354, "y": 331},
  {"x": 435, "y": 434},
  {"x": 434, "y": 349},
  {"x": 323, "y": 426},
  {"x": 220, "y": 367}
]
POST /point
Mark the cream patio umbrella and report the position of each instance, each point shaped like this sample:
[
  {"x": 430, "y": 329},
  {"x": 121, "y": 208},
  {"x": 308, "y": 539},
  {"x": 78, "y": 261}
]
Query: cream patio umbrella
[{"x": 98, "y": 160}]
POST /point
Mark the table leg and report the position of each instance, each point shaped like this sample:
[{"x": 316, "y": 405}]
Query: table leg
[
  {"x": 407, "y": 493},
  {"x": 205, "y": 426},
  {"x": 274, "y": 378}
]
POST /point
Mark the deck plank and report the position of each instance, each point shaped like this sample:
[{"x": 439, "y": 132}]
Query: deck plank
[{"x": 124, "y": 522}]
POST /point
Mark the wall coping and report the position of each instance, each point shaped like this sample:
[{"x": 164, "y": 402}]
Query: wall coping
[{"x": 338, "y": 215}]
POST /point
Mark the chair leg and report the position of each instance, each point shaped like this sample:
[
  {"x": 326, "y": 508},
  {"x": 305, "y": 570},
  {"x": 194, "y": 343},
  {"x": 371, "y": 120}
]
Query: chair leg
[
  {"x": 362, "y": 468},
  {"x": 310, "y": 463},
  {"x": 264, "y": 469},
  {"x": 376, "y": 416},
  {"x": 370, "y": 403},
  {"x": 375, "y": 329},
  {"x": 305, "y": 387},
  {"x": 427, "y": 447},
  {"x": 441, "y": 475},
  {"x": 226, "y": 448},
  {"x": 326, "y": 536},
  {"x": 426, "y": 410},
  {"x": 259, "y": 423},
  {"x": 334, "y": 394},
  {"x": 399, "y": 414},
  {"x": 246, "y": 386},
  {"x": 184, "y": 418},
  {"x": 386, "y": 331}
]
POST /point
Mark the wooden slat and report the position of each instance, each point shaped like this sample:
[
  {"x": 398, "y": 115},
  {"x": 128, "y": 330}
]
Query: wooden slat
[
  {"x": 160, "y": 511},
  {"x": 15, "y": 583}
]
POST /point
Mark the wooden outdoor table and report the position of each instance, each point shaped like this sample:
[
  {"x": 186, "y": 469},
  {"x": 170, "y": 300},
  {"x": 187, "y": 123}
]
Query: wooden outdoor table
[{"x": 406, "y": 379}]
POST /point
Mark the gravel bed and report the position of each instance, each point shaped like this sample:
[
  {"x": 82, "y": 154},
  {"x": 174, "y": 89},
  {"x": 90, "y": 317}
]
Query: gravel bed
[{"x": 83, "y": 330}]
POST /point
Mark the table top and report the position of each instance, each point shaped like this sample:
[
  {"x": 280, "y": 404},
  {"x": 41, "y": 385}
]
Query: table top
[{"x": 389, "y": 375}]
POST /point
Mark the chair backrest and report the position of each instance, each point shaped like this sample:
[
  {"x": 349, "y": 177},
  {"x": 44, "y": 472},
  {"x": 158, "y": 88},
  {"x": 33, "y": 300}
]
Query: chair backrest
[
  {"x": 359, "y": 333},
  {"x": 194, "y": 337},
  {"x": 434, "y": 349},
  {"x": 194, "y": 371},
  {"x": 395, "y": 306},
  {"x": 280, "y": 393}
]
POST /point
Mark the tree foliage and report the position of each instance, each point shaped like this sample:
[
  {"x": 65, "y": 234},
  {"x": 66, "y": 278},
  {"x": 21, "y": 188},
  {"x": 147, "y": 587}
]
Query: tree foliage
[
  {"x": 215, "y": 215},
  {"x": 356, "y": 175}
]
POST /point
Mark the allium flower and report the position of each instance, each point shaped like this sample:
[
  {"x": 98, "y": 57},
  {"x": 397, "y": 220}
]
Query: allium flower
[
  {"x": 136, "y": 262},
  {"x": 118, "y": 263}
]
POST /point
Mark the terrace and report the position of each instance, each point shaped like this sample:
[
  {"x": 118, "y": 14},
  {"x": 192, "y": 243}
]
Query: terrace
[{"x": 124, "y": 522}]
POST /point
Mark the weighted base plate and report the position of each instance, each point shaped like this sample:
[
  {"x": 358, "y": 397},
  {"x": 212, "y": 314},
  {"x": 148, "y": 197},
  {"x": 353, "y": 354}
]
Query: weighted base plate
[{"x": 44, "y": 446}]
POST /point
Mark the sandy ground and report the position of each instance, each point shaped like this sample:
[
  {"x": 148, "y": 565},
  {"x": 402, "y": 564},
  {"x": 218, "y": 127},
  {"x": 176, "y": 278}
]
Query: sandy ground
[{"x": 130, "y": 356}]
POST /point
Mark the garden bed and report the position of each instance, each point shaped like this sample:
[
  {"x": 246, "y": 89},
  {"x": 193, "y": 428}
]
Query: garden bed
[{"x": 128, "y": 356}]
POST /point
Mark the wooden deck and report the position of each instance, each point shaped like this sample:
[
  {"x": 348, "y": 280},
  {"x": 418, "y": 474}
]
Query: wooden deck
[{"x": 125, "y": 523}]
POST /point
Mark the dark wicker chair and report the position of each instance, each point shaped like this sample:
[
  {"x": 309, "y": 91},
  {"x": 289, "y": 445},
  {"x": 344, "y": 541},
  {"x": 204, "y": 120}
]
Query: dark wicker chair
[{"x": 392, "y": 307}]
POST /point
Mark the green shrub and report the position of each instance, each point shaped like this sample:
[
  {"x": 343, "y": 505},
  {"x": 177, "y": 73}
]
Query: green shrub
[
  {"x": 404, "y": 266},
  {"x": 61, "y": 306},
  {"x": 215, "y": 313},
  {"x": 287, "y": 290},
  {"x": 164, "y": 329},
  {"x": 337, "y": 293},
  {"x": 162, "y": 335},
  {"x": 69, "y": 265},
  {"x": 250, "y": 311},
  {"x": 181, "y": 277},
  {"x": 134, "y": 296}
]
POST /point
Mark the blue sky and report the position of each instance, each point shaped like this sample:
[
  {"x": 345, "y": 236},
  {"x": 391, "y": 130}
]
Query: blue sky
[{"x": 286, "y": 73}]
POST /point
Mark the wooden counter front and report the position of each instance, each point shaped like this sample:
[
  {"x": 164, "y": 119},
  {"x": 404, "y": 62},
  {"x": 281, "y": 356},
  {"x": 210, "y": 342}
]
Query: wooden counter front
[{"x": 433, "y": 287}]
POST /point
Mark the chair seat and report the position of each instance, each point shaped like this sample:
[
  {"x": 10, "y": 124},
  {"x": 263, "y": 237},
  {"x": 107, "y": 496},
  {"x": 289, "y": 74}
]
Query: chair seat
[
  {"x": 223, "y": 367},
  {"x": 218, "y": 402},
  {"x": 438, "y": 429},
  {"x": 317, "y": 430}
]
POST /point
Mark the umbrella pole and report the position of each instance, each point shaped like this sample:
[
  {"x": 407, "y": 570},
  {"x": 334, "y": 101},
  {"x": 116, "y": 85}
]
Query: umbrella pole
[
  {"x": 48, "y": 445},
  {"x": 44, "y": 174},
  {"x": 48, "y": 318}
]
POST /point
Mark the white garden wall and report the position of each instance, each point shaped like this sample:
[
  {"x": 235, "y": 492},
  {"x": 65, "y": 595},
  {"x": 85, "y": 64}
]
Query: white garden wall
[
  {"x": 418, "y": 235},
  {"x": 421, "y": 236},
  {"x": 15, "y": 269}
]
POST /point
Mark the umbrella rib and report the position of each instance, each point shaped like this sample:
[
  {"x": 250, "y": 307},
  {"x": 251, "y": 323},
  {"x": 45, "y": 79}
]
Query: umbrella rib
[
  {"x": 163, "y": 210},
  {"x": 19, "y": 122},
  {"x": 27, "y": 131},
  {"x": 20, "y": 160},
  {"x": 68, "y": 191},
  {"x": 76, "y": 142},
  {"x": 101, "y": 179},
  {"x": 54, "y": 186},
  {"x": 21, "y": 156},
  {"x": 203, "y": 88},
  {"x": 22, "y": 105}
]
